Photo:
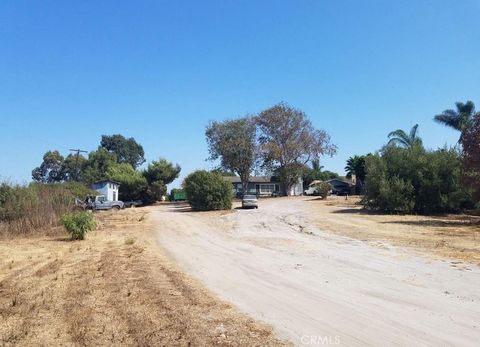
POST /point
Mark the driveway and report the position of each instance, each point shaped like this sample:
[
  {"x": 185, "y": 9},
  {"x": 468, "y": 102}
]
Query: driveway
[{"x": 317, "y": 288}]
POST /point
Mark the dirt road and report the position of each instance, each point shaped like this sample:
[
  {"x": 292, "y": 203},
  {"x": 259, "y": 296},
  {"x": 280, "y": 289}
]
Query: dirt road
[
  {"x": 116, "y": 288},
  {"x": 316, "y": 287}
]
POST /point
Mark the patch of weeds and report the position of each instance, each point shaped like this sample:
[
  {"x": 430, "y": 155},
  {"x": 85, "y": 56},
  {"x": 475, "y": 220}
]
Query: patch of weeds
[{"x": 130, "y": 241}]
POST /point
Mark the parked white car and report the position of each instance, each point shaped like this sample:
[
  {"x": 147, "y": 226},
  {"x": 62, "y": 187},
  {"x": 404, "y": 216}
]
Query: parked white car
[
  {"x": 311, "y": 191},
  {"x": 249, "y": 201}
]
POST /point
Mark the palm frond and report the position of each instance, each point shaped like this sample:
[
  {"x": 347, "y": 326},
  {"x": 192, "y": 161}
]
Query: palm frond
[{"x": 413, "y": 134}]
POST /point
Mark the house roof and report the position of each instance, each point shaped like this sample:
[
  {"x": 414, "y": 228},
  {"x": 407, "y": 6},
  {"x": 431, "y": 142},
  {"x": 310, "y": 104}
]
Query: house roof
[
  {"x": 253, "y": 179},
  {"x": 350, "y": 183},
  {"x": 109, "y": 181}
]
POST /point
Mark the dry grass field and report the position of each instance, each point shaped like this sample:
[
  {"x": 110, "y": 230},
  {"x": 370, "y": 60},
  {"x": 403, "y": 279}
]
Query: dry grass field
[
  {"x": 115, "y": 288},
  {"x": 446, "y": 236}
]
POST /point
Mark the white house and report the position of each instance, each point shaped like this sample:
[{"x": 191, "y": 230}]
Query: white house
[
  {"x": 264, "y": 186},
  {"x": 107, "y": 188}
]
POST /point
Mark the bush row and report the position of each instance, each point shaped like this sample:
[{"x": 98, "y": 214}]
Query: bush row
[{"x": 415, "y": 180}]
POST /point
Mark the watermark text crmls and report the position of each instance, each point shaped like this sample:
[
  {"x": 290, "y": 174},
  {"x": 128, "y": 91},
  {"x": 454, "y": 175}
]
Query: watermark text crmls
[{"x": 320, "y": 340}]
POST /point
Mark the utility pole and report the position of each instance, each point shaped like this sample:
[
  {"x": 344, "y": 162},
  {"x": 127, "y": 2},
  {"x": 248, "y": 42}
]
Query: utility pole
[{"x": 78, "y": 151}]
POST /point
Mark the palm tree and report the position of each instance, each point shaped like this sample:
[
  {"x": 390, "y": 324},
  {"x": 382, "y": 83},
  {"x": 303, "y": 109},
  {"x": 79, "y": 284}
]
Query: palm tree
[
  {"x": 316, "y": 165},
  {"x": 459, "y": 119},
  {"x": 356, "y": 166},
  {"x": 400, "y": 138}
]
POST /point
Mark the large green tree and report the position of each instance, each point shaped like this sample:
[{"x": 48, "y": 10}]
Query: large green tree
[
  {"x": 234, "y": 143},
  {"x": 125, "y": 150},
  {"x": 459, "y": 119},
  {"x": 158, "y": 174},
  {"x": 288, "y": 141},
  {"x": 73, "y": 167},
  {"x": 400, "y": 138},
  {"x": 97, "y": 165},
  {"x": 161, "y": 170},
  {"x": 133, "y": 184},
  {"x": 51, "y": 169}
]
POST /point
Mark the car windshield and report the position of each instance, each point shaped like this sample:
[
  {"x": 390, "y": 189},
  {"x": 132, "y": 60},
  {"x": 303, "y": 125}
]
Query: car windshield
[{"x": 249, "y": 197}]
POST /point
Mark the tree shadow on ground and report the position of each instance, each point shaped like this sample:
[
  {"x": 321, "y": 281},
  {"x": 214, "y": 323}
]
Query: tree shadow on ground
[
  {"x": 180, "y": 207},
  {"x": 466, "y": 222},
  {"x": 359, "y": 210}
]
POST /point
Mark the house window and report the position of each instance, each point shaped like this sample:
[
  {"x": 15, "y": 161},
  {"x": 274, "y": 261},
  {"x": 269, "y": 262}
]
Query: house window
[{"x": 267, "y": 188}]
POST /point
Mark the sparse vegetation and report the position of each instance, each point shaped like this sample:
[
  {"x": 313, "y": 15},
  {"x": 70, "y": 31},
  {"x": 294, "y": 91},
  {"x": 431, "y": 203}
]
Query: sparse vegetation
[
  {"x": 78, "y": 224},
  {"x": 323, "y": 188},
  {"x": 32, "y": 208},
  {"x": 288, "y": 141},
  {"x": 208, "y": 191}
]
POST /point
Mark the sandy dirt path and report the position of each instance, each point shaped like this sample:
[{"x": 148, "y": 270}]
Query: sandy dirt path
[
  {"x": 318, "y": 288},
  {"x": 116, "y": 288}
]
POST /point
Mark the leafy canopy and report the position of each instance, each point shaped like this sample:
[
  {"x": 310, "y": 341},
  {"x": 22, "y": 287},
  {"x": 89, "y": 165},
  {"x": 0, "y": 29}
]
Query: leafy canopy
[
  {"x": 459, "y": 119},
  {"x": 161, "y": 170},
  {"x": 356, "y": 166},
  {"x": 132, "y": 182},
  {"x": 414, "y": 180},
  {"x": 288, "y": 141},
  {"x": 234, "y": 143},
  {"x": 51, "y": 169},
  {"x": 125, "y": 150},
  {"x": 402, "y": 139}
]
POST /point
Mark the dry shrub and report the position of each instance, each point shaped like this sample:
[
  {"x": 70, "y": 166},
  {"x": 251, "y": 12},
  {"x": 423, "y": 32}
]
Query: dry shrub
[{"x": 26, "y": 209}]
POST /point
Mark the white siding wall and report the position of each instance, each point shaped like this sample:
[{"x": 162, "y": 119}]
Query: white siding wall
[{"x": 110, "y": 190}]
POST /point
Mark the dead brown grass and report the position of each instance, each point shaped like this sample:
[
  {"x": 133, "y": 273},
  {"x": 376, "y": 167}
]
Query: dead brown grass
[
  {"x": 115, "y": 288},
  {"x": 451, "y": 236}
]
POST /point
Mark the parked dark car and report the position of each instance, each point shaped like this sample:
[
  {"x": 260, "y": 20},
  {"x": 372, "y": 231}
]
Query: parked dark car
[
  {"x": 100, "y": 202},
  {"x": 132, "y": 203}
]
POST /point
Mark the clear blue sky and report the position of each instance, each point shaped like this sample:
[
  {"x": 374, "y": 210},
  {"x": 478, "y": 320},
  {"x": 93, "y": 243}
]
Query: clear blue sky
[{"x": 71, "y": 71}]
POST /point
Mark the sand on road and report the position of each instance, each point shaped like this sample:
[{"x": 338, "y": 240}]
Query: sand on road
[{"x": 317, "y": 287}]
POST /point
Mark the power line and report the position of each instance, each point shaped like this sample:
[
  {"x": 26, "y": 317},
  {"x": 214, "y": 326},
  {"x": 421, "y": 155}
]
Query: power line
[{"x": 76, "y": 160}]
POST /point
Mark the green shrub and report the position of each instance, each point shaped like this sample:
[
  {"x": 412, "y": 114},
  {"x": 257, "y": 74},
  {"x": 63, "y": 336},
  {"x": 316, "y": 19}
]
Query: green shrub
[
  {"x": 78, "y": 224},
  {"x": 415, "y": 180},
  {"x": 323, "y": 188},
  {"x": 208, "y": 191}
]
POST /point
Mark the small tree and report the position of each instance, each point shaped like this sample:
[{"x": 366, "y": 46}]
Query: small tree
[
  {"x": 208, "y": 191},
  {"x": 288, "y": 141},
  {"x": 323, "y": 188},
  {"x": 78, "y": 224},
  {"x": 234, "y": 143}
]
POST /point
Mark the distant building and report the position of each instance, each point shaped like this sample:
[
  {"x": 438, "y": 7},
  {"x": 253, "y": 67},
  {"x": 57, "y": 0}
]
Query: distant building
[
  {"x": 264, "y": 186},
  {"x": 107, "y": 188}
]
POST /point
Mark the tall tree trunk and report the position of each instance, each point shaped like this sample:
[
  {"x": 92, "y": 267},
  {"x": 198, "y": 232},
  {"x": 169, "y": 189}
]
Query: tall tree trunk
[{"x": 244, "y": 178}]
